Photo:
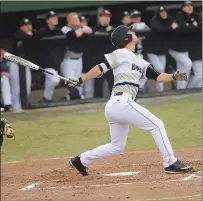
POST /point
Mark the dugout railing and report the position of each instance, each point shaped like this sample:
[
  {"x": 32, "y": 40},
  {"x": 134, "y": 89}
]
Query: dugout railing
[{"x": 90, "y": 46}]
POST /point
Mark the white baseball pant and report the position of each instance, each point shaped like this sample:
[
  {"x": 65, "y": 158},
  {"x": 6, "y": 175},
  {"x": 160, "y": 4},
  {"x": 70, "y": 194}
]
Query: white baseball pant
[
  {"x": 196, "y": 81},
  {"x": 50, "y": 83},
  {"x": 159, "y": 63},
  {"x": 72, "y": 68},
  {"x": 184, "y": 64},
  {"x": 122, "y": 111},
  {"x": 15, "y": 85},
  {"x": 6, "y": 90}
]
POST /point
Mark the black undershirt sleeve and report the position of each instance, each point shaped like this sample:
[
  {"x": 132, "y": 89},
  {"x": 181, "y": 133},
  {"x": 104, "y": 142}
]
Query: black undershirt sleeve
[
  {"x": 107, "y": 63},
  {"x": 151, "y": 73}
]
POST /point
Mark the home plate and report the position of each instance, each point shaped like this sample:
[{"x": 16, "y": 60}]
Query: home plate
[{"x": 121, "y": 174}]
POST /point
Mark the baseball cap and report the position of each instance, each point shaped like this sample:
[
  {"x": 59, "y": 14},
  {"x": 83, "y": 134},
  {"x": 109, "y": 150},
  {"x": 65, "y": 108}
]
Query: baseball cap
[
  {"x": 105, "y": 12},
  {"x": 50, "y": 14},
  {"x": 83, "y": 18},
  {"x": 25, "y": 21},
  {"x": 162, "y": 8},
  {"x": 135, "y": 13},
  {"x": 125, "y": 13},
  {"x": 119, "y": 36},
  {"x": 185, "y": 3}
]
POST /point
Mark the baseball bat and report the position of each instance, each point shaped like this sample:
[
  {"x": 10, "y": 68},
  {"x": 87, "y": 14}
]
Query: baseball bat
[{"x": 25, "y": 63}]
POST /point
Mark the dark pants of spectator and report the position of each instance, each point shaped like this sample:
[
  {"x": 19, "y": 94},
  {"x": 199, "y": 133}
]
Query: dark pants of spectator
[{"x": 99, "y": 84}]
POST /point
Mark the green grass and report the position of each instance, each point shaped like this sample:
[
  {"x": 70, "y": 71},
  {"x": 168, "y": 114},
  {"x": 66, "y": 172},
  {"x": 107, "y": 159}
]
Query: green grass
[{"x": 69, "y": 135}]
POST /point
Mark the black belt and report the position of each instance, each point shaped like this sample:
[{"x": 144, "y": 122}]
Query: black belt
[
  {"x": 118, "y": 93},
  {"x": 121, "y": 93},
  {"x": 74, "y": 58}
]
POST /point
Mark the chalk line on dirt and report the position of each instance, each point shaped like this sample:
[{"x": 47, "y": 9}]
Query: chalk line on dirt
[
  {"x": 190, "y": 177},
  {"x": 29, "y": 187},
  {"x": 121, "y": 174},
  {"x": 38, "y": 159},
  {"x": 193, "y": 175},
  {"x": 22, "y": 184},
  {"x": 106, "y": 185}
]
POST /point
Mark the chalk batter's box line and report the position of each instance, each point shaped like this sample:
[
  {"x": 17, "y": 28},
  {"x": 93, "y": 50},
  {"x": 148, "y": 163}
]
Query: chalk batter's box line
[
  {"x": 56, "y": 180},
  {"x": 37, "y": 186},
  {"x": 194, "y": 175}
]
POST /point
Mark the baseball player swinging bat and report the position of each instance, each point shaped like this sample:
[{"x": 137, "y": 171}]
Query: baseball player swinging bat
[
  {"x": 121, "y": 110},
  {"x": 23, "y": 62}
]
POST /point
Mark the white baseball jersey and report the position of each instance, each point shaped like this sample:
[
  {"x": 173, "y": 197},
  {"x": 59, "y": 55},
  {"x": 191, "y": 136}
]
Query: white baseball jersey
[{"x": 128, "y": 68}]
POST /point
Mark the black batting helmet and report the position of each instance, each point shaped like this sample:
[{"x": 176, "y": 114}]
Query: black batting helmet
[{"x": 120, "y": 37}]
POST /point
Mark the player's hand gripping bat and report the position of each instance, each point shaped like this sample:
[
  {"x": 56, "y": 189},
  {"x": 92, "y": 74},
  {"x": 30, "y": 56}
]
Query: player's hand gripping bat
[{"x": 23, "y": 62}]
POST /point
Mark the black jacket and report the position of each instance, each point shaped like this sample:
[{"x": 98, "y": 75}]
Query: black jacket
[
  {"x": 159, "y": 39},
  {"x": 82, "y": 44},
  {"x": 186, "y": 31},
  {"x": 104, "y": 29},
  {"x": 20, "y": 39},
  {"x": 4, "y": 67},
  {"x": 23, "y": 43},
  {"x": 76, "y": 44},
  {"x": 102, "y": 43},
  {"x": 195, "y": 48},
  {"x": 50, "y": 53}
]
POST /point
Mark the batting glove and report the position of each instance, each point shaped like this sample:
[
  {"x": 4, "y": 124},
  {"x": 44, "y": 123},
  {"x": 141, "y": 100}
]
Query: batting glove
[
  {"x": 180, "y": 76},
  {"x": 75, "y": 81}
]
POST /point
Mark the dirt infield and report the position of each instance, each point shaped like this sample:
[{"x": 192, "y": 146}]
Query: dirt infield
[{"x": 53, "y": 179}]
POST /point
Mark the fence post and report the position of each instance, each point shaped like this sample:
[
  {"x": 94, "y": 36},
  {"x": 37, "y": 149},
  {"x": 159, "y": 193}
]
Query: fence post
[{"x": 23, "y": 83}]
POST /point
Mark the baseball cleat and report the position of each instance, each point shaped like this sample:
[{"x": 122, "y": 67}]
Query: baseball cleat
[
  {"x": 76, "y": 163},
  {"x": 178, "y": 167}
]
